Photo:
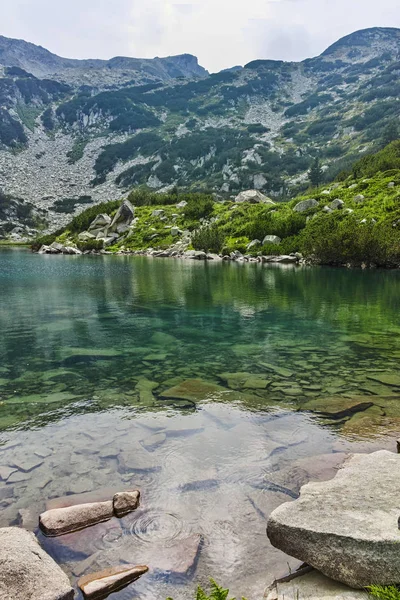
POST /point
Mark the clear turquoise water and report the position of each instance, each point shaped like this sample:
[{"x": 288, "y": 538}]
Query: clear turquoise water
[{"x": 93, "y": 355}]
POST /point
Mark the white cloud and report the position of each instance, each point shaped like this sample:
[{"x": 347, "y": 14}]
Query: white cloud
[{"x": 222, "y": 33}]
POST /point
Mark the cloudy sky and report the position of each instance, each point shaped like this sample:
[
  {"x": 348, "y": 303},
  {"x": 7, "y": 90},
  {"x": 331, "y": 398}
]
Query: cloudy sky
[{"x": 221, "y": 33}]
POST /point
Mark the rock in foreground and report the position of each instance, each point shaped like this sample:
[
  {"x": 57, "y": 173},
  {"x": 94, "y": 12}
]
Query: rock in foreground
[
  {"x": 100, "y": 585},
  {"x": 125, "y": 502},
  {"x": 312, "y": 585},
  {"x": 72, "y": 518},
  {"x": 347, "y": 527},
  {"x": 27, "y": 572}
]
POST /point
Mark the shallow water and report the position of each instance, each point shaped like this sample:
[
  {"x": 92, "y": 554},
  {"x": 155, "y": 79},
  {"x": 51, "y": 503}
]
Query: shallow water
[{"x": 97, "y": 361}]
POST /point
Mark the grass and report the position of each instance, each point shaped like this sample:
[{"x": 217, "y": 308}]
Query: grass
[
  {"x": 216, "y": 593},
  {"x": 384, "y": 593}
]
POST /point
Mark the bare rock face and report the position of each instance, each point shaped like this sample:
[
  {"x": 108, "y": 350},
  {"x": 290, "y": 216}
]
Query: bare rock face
[
  {"x": 100, "y": 585},
  {"x": 347, "y": 527},
  {"x": 124, "y": 215},
  {"x": 27, "y": 572},
  {"x": 125, "y": 502},
  {"x": 65, "y": 520}
]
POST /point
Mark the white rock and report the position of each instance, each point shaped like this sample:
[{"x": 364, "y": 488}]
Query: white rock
[{"x": 347, "y": 527}]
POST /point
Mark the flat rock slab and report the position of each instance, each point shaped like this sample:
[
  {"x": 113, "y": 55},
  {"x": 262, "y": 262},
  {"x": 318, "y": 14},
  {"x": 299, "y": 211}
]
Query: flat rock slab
[
  {"x": 100, "y": 585},
  {"x": 388, "y": 378},
  {"x": 27, "y": 572},
  {"x": 65, "y": 520},
  {"x": 312, "y": 586},
  {"x": 339, "y": 407},
  {"x": 347, "y": 527},
  {"x": 195, "y": 390}
]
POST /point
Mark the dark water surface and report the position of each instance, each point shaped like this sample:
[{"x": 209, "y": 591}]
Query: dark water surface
[{"x": 198, "y": 384}]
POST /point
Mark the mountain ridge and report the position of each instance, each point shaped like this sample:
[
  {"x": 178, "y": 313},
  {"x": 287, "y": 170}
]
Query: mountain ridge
[{"x": 66, "y": 144}]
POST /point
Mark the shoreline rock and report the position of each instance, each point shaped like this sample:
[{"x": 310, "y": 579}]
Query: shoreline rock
[
  {"x": 346, "y": 527},
  {"x": 27, "y": 572}
]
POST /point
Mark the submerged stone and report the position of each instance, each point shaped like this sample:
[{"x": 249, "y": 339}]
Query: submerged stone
[
  {"x": 387, "y": 378},
  {"x": 194, "y": 389},
  {"x": 347, "y": 527},
  {"x": 338, "y": 407},
  {"x": 309, "y": 584}
]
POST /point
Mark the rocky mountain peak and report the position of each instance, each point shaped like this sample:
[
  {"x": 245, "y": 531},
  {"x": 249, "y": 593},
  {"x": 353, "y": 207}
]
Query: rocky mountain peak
[
  {"x": 43, "y": 63},
  {"x": 366, "y": 44}
]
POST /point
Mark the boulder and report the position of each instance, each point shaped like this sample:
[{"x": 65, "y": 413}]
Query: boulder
[
  {"x": 309, "y": 584},
  {"x": 100, "y": 222},
  {"x": 175, "y": 231},
  {"x": 27, "y": 572},
  {"x": 305, "y": 205},
  {"x": 253, "y": 243},
  {"x": 125, "y": 214},
  {"x": 158, "y": 213},
  {"x": 85, "y": 236},
  {"x": 72, "y": 518},
  {"x": 253, "y": 197},
  {"x": 347, "y": 527},
  {"x": 181, "y": 204},
  {"x": 125, "y": 502},
  {"x": 100, "y": 585},
  {"x": 57, "y": 247},
  {"x": 336, "y": 204},
  {"x": 359, "y": 198},
  {"x": 271, "y": 239}
]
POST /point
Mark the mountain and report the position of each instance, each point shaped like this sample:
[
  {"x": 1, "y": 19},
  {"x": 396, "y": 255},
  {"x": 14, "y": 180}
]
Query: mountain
[
  {"x": 98, "y": 73},
  {"x": 73, "y": 133}
]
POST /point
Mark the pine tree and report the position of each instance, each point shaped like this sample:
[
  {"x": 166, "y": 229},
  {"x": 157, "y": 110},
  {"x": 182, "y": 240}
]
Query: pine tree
[
  {"x": 315, "y": 173},
  {"x": 390, "y": 133}
]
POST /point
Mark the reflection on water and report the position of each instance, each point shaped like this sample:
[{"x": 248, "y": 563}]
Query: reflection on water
[{"x": 216, "y": 389}]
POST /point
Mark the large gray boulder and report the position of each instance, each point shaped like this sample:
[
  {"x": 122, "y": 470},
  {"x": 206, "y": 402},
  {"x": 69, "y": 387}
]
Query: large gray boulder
[
  {"x": 348, "y": 527},
  {"x": 305, "y": 205},
  {"x": 124, "y": 216},
  {"x": 272, "y": 239},
  {"x": 100, "y": 222},
  {"x": 27, "y": 572},
  {"x": 253, "y": 197}
]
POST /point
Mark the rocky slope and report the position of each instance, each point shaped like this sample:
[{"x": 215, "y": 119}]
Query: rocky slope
[{"x": 79, "y": 132}]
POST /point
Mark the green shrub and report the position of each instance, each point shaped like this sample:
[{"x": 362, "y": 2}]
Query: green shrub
[
  {"x": 217, "y": 593},
  {"x": 276, "y": 224},
  {"x": 199, "y": 208},
  {"x": 90, "y": 245},
  {"x": 209, "y": 239},
  {"x": 384, "y": 593},
  {"x": 81, "y": 222},
  {"x": 338, "y": 239}
]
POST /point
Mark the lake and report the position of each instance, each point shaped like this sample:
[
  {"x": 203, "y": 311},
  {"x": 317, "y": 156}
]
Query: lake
[{"x": 216, "y": 389}]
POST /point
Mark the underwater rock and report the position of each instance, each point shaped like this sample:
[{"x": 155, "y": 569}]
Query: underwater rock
[
  {"x": 339, "y": 407},
  {"x": 387, "y": 378},
  {"x": 195, "y": 390},
  {"x": 309, "y": 584}
]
